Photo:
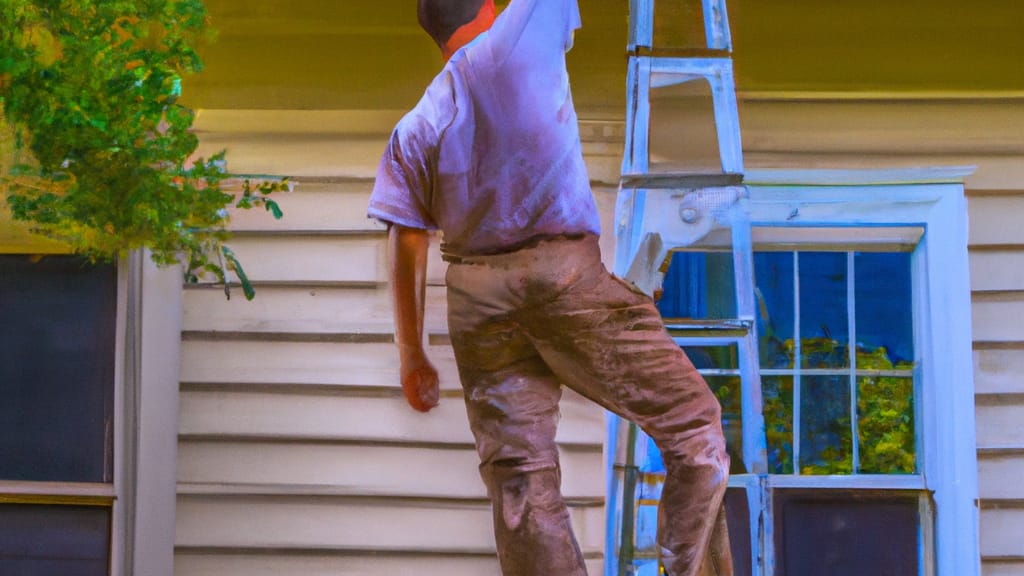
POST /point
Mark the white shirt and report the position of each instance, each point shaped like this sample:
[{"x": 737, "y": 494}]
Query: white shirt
[{"x": 491, "y": 154}]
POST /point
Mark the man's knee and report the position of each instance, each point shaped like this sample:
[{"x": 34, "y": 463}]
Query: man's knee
[{"x": 518, "y": 489}]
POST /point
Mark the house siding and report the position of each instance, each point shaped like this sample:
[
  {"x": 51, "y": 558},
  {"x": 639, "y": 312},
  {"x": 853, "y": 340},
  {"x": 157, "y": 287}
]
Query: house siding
[
  {"x": 289, "y": 403},
  {"x": 297, "y": 452},
  {"x": 997, "y": 287}
]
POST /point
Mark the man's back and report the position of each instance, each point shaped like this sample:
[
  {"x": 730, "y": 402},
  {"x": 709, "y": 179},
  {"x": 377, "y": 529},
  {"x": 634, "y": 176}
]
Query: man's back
[{"x": 493, "y": 147}]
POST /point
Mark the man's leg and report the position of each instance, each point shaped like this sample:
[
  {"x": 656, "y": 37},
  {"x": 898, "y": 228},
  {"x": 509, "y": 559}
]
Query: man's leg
[
  {"x": 512, "y": 401},
  {"x": 608, "y": 342}
]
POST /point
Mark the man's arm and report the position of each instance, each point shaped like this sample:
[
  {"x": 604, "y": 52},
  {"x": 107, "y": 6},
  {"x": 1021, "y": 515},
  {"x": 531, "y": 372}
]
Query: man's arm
[{"x": 407, "y": 267}]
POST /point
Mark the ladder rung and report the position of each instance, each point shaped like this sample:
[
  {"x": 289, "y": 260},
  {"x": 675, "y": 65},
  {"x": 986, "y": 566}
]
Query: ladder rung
[
  {"x": 682, "y": 326},
  {"x": 659, "y": 52},
  {"x": 673, "y": 180}
]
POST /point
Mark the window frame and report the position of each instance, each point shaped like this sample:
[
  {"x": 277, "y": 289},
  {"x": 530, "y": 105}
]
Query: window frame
[
  {"x": 141, "y": 496},
  {"x": 890, "y": 200}
]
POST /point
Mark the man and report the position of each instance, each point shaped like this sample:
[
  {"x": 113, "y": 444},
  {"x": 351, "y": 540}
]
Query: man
[{"x": 491, "y": 156}]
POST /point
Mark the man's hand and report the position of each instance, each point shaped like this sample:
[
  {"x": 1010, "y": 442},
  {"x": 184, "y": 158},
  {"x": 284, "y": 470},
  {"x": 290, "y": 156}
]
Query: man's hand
[{"x": 419, "y": 380}]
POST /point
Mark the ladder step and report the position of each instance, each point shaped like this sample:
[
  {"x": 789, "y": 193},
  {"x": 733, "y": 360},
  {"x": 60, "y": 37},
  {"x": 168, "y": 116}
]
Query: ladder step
[
  {"x": 670, "y": 52},
  {"x": 707, "y": 325},
  {"x": 675, "y": 180}
]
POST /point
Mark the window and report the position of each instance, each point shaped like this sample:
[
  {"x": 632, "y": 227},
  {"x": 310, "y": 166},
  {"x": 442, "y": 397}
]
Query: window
[
  {"x": 852, "y": 437},
  {"x": 57, "y": 378}
]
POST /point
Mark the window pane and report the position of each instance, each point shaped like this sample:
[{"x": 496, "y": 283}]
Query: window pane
[
  {"x": 56, "y": 369},
  {"x": 824, "y": 321},
  {"x": 54, "y": 540},
  {"x": 699, "y": 285},
  {"x": 737, "y": 514},
  {"x": 727, "y": 389},
  {"x": 825, "y": 434},
  {"x": 713, "y": 357},
  {"x": 845, "y": 534},
  {"x": 778, "y": 422},
  {"x": 884, "y": 313},
  {"x": 885, "y": 425},
  {"x": 773, "y": 277}
]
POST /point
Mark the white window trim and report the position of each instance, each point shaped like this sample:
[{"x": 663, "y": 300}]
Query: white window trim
[
  {"x": 934, "y": 199},
  {"x": 147, "y": 402},
  {"x": 931, "y": 198},
  {"x": 142, "y": 496}
]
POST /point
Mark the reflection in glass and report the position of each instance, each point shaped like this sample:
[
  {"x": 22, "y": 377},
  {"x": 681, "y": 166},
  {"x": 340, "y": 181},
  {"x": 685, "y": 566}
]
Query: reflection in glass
[
  {"x": 699, "y": 285},
  {"x": 885, "y": 425},
  {"x": 839, "y": 533},
  {"x": 713, "y": 357},
  {"x": 56, "y": 369},
  {"x": 778, "y": 422},
  {"x": 883, "y": 296},
  {"x": 824, "y": 322},
  {"x": 773, "y": 280},
  {"x": 825, "y": 433},
  {"x": 47, "y": 540},
  {"x": 727, "y": 389}
]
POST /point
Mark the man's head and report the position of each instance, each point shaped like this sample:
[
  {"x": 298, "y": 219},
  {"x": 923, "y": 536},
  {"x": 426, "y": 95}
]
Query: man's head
[{"x": 454, "y": 23}]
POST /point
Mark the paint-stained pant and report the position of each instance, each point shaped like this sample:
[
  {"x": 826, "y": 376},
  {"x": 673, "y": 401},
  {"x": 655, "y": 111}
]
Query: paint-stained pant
[{"x": 525, "y": 323}]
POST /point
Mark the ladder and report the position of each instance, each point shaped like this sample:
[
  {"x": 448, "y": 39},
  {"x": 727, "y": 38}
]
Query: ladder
[{"x": 662, "y": 209}]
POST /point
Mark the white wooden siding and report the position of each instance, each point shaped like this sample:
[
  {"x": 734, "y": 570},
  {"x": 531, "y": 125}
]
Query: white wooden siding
[
  {"x": 348, "y": 564},
  {"x": 298, "y": 454},
  {"x": 997, "y": 253},
  {"x": 375, "y": 416},
  {"x": 999, "y": 371},
  {"x": 316, "y": 339}
]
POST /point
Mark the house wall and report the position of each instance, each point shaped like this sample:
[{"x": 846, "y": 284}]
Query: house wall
[{"x": 297, "y": 452}]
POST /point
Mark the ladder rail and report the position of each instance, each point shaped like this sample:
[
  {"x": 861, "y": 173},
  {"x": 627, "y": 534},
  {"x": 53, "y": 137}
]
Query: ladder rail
[{"x": 656, "y": 213}]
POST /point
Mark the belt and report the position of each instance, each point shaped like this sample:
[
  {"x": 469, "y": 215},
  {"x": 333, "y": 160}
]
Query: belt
[{"x": 532, "y": 242}]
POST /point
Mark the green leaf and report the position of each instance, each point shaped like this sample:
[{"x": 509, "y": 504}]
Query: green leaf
[
  {"x": 236, "y": 266},
  {"x": 274, "y": 209}
]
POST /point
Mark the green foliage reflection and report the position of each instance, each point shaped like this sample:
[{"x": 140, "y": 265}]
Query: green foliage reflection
[{"x": 885, "y": 421}]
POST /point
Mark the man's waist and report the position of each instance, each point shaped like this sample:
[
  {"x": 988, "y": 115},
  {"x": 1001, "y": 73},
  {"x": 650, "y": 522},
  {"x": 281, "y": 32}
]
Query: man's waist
[{"x": 514, "y": 248}]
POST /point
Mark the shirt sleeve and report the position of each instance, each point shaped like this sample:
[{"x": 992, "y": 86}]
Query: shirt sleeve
[
  {"x": 402, "y": 190},
  {"x": 549, "y": 23}
]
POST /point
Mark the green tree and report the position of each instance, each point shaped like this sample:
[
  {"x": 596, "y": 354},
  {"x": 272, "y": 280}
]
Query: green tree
[{"x": 104, "y": 153}]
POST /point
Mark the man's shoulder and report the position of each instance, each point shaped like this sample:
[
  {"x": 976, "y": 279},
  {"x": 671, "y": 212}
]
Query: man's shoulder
[{"x": 434, "y": 111}]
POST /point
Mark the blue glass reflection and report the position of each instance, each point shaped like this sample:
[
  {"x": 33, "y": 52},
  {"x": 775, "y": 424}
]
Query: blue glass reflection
[
  {"x": 699, "y": 285},
  {"x": 773, "y": 280},
  {"x": 884, "y": 312},
  {"x": 824, "y": 321}
]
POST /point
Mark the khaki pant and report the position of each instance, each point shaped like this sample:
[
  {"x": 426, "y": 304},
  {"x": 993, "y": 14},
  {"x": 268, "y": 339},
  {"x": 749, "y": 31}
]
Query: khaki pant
[{"x": 525, "y": 323}]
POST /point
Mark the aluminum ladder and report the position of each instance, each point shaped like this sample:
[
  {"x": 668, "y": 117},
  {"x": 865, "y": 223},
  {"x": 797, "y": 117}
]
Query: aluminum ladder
[{"x": 659, "y": 211}]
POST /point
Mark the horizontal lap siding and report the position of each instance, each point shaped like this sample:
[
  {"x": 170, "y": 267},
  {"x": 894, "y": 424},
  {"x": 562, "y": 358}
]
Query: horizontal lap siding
[
  {"x": 193, "y": 563},
  {"x": 997, "y": 281},
  {"x": 375, "y": 415},
  {"x": 362, "y": 523},
  {"x": 298, "y": 454}
]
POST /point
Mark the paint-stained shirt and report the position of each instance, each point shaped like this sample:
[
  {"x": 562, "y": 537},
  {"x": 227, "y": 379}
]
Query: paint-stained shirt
[{"x": 491, "y": 153}]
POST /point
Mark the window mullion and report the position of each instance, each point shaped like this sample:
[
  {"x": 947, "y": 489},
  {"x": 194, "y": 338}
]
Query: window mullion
[
  {"x": 851, "y": 349},
  {"x": 796, "y": 363}
]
